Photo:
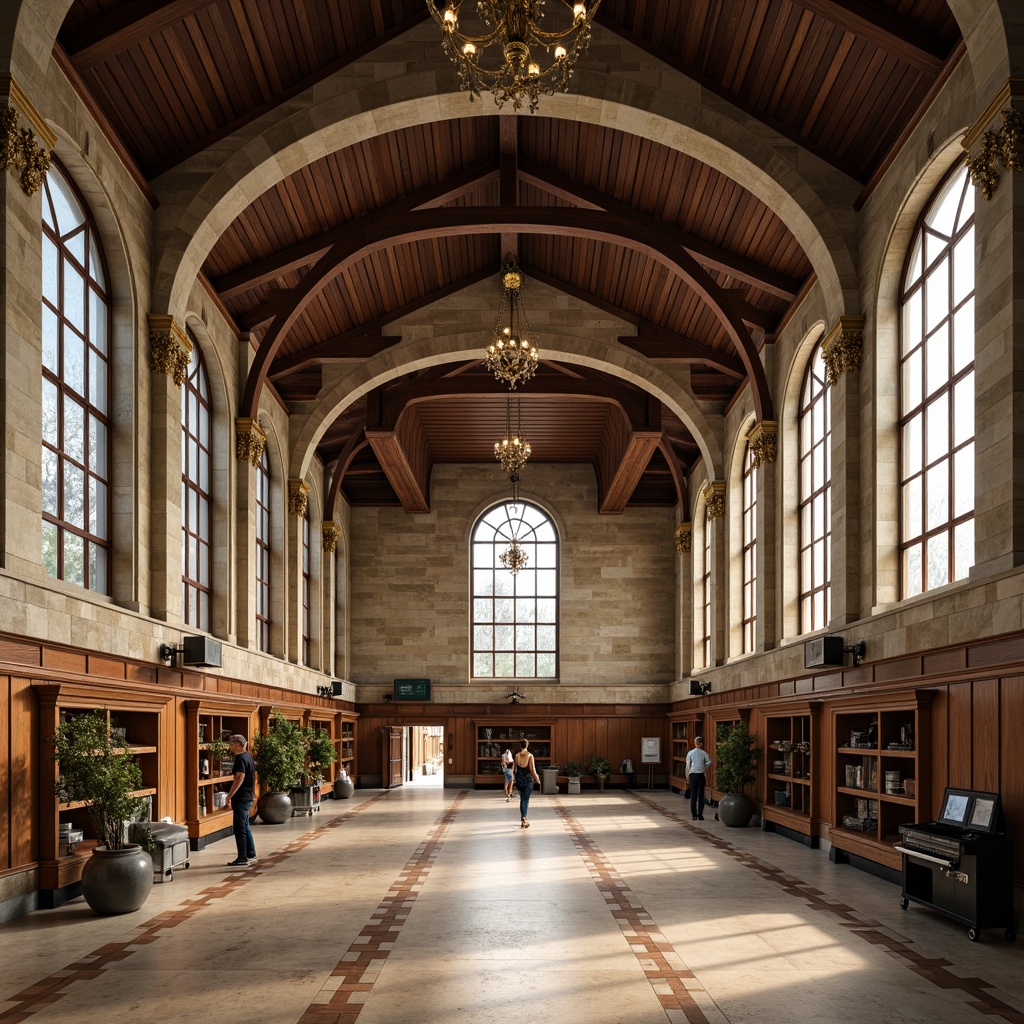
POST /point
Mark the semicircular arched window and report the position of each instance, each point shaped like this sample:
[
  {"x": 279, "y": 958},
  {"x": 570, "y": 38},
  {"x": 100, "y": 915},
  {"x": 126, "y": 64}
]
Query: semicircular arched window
[
  {"x": 196, "y": 491},
  {"x": 515, "y": 615}
]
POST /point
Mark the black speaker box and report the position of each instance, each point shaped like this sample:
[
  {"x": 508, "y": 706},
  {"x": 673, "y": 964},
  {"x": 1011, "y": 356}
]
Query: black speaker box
[{"x": 823, "y": 651}]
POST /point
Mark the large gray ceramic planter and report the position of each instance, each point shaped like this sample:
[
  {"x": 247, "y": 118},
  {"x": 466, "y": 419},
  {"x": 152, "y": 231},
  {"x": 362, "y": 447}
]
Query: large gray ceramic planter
[
  {"x": 736, "y": 809},
  {"x": 117, "y": 881},
  {"x": 344, "y": 787},
  {"x": 274, "y": 808}
]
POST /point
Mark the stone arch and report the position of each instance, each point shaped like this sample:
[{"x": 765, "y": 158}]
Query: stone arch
[
  {"x": 609, "y": 357},
  {"x": 995, "y": 42},
  {"x": 28, "y": 31},
  {"x": 250, "y": 161},
  {"x": 884, "y": 574}
]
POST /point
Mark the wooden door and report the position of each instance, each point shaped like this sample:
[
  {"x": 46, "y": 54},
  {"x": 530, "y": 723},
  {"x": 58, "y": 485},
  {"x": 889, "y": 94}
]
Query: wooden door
[{"x": 391, "y": 756}]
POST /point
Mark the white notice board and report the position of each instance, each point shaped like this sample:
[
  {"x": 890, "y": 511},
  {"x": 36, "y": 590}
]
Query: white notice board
[{"x": 650, "y": 750}]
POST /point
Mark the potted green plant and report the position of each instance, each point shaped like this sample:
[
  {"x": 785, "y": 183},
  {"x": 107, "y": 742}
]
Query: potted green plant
[
  {"x": 279, "y": 757},
  {"x": 320, "y": 755},
  {"x": 736, "y": 759},
  {"x": 101, "y": 773},
  {"x": 572, "y": 770},
  {"x": 600, "y": 768}
]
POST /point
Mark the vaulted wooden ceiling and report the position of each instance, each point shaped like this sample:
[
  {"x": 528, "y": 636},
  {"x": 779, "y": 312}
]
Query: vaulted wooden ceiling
[{"x": 841, "y": 79}]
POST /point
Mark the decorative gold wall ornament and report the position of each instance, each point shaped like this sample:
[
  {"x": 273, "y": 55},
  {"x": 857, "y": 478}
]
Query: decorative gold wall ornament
[
  {"x": 684, "y": 538},
  {"x": 169, "y": 348},
  {"x": 250, "y": 439},
  {"x": 511, "y": 356},
  {"x": 1003, "y": 147},
  {"x": 763, "y": 440},
  {"x": 842, "y": 348},
  {"x": 330, "y": 533},
  {"x": 714, "y": 500},
  {"x": 18, "y": 149},
  {"x": 298, "y": 497},
  {"x": 495, "y": 53}
]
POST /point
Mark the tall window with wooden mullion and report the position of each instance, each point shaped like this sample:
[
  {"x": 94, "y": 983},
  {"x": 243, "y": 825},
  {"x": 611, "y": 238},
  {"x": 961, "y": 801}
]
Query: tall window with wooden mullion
[
  {"x": 937, "y": 393},
  {"x": 76, "y": 424},
  {"x": 263, "y": 553},
  {"x": 815, "y": 515},
  {"x": 749, "y": 622},
  {"x": 705, "y": 596},
  {"x": 195, "y": 493}
]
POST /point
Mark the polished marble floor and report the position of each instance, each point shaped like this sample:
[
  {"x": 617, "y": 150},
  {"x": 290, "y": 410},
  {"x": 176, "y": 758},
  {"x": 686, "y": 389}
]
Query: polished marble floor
[{"x": 427, "y": 905}]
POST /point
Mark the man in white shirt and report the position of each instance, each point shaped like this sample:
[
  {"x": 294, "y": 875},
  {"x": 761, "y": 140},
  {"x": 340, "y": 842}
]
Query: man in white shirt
[{"x": 697, "y": 762}]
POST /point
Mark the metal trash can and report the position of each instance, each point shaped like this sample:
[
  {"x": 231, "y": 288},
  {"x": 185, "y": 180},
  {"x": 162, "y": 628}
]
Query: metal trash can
[{"x": 549, "y": 779}]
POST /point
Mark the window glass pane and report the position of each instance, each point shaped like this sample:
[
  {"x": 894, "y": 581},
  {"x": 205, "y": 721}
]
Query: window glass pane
[
  {"x": 963, "y": 410},
  {"x": 483, "y": 580},
  {"x": 96, "y": 265},
  {"x": 482, "y": 665},
  {"x": 912, "y": 508},
  {"x": 75, "y": 244},
  {"x": 504, "y": 610},
  {"x": 936, "y": 295},
  {"x": 963, "y": 482},
  {"x": 963, "y": 267},
  {"x": 65, "y": 205},
  {"x": 51, "y": 261},
  {"x": 483, "y": 610},
  {"x": 51, "y": 433},
  {"x": 51, "y": 467},
  {"x": 912, "y": 321},
  {"x": 98, "y": 568},
  {"x": 912, "y": 570},
  {"x": 526, "y": 665},
  {"x": 963, "y": 336},
  {"x": 97, "y": 380},
  {"x": 937, "y": 496},
  {"x": 545, "y": 638},
  {"x": 97, "y": 446},
  {"x": 525, "y": 610},
  {"x": 545, "y": 666},
  {"x": 912, "y": 446},
  {"x": 914, "y": 265},
  {"x": 526, "y": 638},
  {"x": 546, "y": 556},
  {"x": 504, "y": 637},
  {"x": 547, "y": 582},
  {"x": 50, "y": 550},
  {"x": 74, "y": 496},
  {"x": 51, "y": 341},
  {"x": 97, "y": 508},
  {"x": 938, "y": 561},
  {"x": 74, "y": 559},
  {"x": 74, "y": 362},
  {"x": 504, "y": 583},
  {"x": 937, "y": 420},
  {"x": 504, "y": 665},
  {"x": 963, "y": 550},
  {"x": 483, "y": 638},
  {"x": 74, "y": 297},
  {"x": 912, "y": 379},
  {"x": 942, "y": 213},
  {"x": 545, "y": 610},
  {"x": 937, "y": 355}
]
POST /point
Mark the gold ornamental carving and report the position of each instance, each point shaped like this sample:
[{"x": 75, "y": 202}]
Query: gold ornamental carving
[
  {"x": 298, "y": 497},
  {"x": 18, "y": 148},
  {"x": 842, "y": 348},
  {"x": 764, "y": 442},
  {"x": 1001, "y": 148},
  {"x": 170, "y": 351},
  {"x": 684, "y": 538},
  {"x": 330, "y": 533},
  {"x": 250, "y": 440},
  {"x": 714, "y": 500}
]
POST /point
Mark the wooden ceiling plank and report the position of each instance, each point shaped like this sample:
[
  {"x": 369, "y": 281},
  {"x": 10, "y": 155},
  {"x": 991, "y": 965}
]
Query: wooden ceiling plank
[{"x": 125, "y": 26}]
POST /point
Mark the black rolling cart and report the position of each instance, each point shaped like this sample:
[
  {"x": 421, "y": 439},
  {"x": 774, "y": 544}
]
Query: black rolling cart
[{"x": 962, "y": 864}]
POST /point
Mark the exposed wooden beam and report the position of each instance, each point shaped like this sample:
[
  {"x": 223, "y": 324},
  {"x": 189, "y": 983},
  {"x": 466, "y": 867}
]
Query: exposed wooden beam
[
  {"x": 357, "y": 345},
  {"x": 406, "y": 478},
  {"x": 678, "y": 473},
  {"x": 882, "y": 28},
  {"x": 715, "y": 257},
  {"x": 124, "y": 26},
  {"x": 302, "y": 254},
  {"x": 631, "y": 463}
]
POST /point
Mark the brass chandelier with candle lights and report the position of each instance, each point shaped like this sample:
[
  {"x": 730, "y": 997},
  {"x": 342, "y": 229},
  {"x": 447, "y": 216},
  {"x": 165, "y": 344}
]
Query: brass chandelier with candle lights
[
  {"x": 513, "y": 449},
  {"x": 511, "y": 356},
  {"x": 516, "y": 52}
]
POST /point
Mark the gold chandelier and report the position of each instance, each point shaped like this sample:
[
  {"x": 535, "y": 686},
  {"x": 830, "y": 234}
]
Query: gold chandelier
[
  {"x": 511, "y": 356},
  {"x": 513, "y": 449},
  {"x": 511, "y": 55},
  {"x": 514, "y": 557}
]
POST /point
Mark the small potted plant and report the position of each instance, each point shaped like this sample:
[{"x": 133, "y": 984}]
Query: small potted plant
[
  {"x": 600, "y": 768},
  {"x": 279, "y": 757},
  {"x": 736, "y": 759},
  {"x": 100, "y": 771},
  {"x": 572, "y": 771}
]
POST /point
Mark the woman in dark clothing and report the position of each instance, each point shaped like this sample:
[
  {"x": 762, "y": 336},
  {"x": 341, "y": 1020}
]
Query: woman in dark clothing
[{"x": 525, "y": 776}]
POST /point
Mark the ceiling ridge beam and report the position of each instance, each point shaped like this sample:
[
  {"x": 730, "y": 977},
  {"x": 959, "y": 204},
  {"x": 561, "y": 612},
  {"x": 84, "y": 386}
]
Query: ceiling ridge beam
[
  {"x": 630, "y": 464},
  {"x": 408, "y": 481},
  {"x": 715, "y": 257}
]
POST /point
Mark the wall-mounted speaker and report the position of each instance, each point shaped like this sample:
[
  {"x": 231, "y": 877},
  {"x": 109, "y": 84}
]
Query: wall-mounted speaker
[
  {"x": 823, "y": 651},
  {"x": 203, "y": 651}
]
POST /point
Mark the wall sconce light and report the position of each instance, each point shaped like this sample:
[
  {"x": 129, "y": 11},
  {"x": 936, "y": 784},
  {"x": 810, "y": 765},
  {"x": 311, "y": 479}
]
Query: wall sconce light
[
  {"x": 202, "y": 651},
  {"x": 699, "y": 689},
  {"x": 515, "y": 697},
  {"x": 388, "y": 696},
  {"x": 823, "y": 651}
]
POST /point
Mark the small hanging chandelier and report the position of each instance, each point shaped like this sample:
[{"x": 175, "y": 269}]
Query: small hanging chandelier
[
  {"x": 514, "y": 557},
  {"x": 513, "y": 449},
  {"x": 511, "y": 356},
  {"x": 511, "y": 55}
]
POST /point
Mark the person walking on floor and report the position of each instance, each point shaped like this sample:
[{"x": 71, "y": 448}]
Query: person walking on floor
[
  {"x": 506, "y": 767},
  {"x": 525, "y": 776},
  {"x": 240, "y": 796},
  {"x": 697, "y": 762}
]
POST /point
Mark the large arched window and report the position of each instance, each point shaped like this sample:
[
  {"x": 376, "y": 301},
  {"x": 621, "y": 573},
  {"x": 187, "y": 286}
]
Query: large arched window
[
  {"x": 815, "y": 496},
  {"x": 749, "y": 551},
  {"x": 76, "y": 392},
  {"x": 263, "y": 552},
  {"x": 307, "y": 585},
  {"x": 937, "y": 394},
  {"x": 515, "y": 616},
  {"x": 195, "y": 493},
  {"x": 704, "y": 598}
]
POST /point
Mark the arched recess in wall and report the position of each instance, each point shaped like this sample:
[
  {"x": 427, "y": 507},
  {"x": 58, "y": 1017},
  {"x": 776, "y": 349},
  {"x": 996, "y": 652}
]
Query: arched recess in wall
[
  {"x": 701, "y": 625},
  {"x": 881, "y": 472},
  {"x": 341, "y": 605},
  {"x": 788, "y": 550},
  {"x": 279, "y": 560},
  {"x": 734, "y": 540},
  {"x": 309, "y": 574}
]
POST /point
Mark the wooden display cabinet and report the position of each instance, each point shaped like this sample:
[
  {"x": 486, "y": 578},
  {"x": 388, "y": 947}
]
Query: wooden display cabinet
[
  {"x": 682, "y": 731},
  {"x": 345, "y": 743},
  {"x": 207, "y": 812},
  {"x": 320, "y": 722},
  {"x": 492, "y": 738},
  {"x": 790, "y": 770},
  {"x": 882, "y": 777},
  {"x": 148, "y": 732}
]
